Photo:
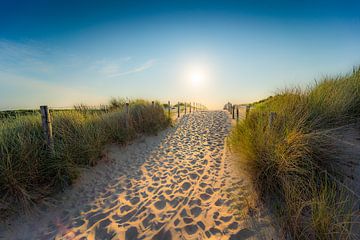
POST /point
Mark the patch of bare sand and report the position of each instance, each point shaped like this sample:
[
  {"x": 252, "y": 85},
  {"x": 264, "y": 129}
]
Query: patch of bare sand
[{"x": 177, "y": 185}]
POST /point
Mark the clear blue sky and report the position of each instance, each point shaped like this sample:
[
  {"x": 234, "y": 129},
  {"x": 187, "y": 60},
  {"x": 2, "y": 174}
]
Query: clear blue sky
[{"x": 62, "y": 53}]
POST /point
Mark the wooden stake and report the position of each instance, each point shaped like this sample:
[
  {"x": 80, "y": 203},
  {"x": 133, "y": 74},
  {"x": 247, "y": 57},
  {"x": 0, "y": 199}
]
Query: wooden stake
[
  {"x": 169, "y": 108},
  {"x": 127, "y": 114},
  {"x": 47, "y": 127},
  {"x": 237, "y": 113},
  {"x": 178, "y": 109},
  {"x": 185, "y": 108}
]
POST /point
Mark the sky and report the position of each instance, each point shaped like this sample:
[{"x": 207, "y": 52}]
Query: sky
[{"x": 61, "y": 53}]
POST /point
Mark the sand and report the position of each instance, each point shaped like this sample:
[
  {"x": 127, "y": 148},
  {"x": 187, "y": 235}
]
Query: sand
[{"x": 177, "y": 185}]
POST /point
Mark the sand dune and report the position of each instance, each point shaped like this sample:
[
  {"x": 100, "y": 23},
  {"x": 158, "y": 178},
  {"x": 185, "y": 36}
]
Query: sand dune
[{"x": 177, "y": 185}]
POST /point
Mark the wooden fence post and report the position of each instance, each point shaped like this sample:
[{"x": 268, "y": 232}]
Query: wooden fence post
[
  {"x": 127, "y": 114},
  {"x": 47, "y": 127},
  {"x": 272, "y": 117},
  {"x": 247, "y": 111},
  {"x": 190, "y": 107},
  {"x": 169, "y": 109},
  {"x": 178, "y": 109},
  {"x": 233, "y": 112},
  {"x": 153, "y": 104},
  {"x": 185, "y": 107},
  {"x": 237, "y": 113},
  {"x": 127, "y": 108}
]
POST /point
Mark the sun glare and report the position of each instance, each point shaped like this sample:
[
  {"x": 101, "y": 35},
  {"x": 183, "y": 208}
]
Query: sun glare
[{"x": 197, "y": 76}]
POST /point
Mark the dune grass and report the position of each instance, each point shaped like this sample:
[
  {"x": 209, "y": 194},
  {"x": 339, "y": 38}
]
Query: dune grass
[
  {"x": 294, "y": 165},
  {"x": 28, "y": 171}
]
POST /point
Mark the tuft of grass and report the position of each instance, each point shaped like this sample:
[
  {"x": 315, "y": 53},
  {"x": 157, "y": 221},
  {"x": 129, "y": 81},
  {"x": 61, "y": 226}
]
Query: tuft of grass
[
  {"x": 294, "y": 166},
  {"x": 28, "y": 171}
]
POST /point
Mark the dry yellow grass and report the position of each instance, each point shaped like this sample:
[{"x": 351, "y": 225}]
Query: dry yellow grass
[
  {"x": 294, "y": 166},
  {"x": 27, "y": 170}
]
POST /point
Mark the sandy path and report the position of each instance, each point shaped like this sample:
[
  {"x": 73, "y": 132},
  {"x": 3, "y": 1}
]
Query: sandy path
[{"x": 173, "y": 186}]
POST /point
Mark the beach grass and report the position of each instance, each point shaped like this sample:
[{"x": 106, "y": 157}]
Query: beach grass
[
  {"x": 29, "y": 171},
  {"x": 295, "y": 165}
]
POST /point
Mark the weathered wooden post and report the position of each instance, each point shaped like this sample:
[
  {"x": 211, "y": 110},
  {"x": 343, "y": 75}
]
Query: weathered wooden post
[
  {"x": 178, "y": 109},
  {"x": 127, "y": 114},
  {"x": 185, "y": 107},
  {"x": 237, "y": 113},
  {"x": 152, "y": 104},
  {"x": 190, "y": 107},
  {"x": 47, "y": 128},
  {"x": 233, "y": 112},
  {"x": 247, "y": 111},
  {"x": 127, "y": 108},
  {"x": 169, "y": 108},
  {"x": 272, "y": 117}
]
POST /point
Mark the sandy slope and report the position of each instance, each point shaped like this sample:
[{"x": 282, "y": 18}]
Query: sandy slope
[{"x": 176, "y": 185}]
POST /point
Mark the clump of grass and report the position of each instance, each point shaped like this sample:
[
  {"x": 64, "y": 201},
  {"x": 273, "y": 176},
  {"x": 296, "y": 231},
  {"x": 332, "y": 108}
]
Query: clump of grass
[
  {"x": 290, "y": 162},
  {"x": 28, "y": 171}
]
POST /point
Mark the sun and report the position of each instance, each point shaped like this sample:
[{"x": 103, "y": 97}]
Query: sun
[{"x": 197, "y": 76}]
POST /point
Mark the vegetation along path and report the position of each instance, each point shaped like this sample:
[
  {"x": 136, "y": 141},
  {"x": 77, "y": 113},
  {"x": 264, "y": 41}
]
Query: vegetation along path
[{"x": 171, "y": 186}]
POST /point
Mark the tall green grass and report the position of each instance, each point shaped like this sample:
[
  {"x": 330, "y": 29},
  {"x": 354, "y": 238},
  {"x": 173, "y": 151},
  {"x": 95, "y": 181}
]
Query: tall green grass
[
  {"x": 294, "y": 165},
  {"x": 28, "y": 171}
]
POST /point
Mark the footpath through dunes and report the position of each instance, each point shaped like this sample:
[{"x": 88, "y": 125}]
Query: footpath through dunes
[{"x": 176, "y": 185}]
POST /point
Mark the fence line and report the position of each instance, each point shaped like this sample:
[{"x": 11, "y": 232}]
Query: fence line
[
  {"x": 234, "y": 111},
  {"x": 46, "y": 113},
  {"x": 47, "y": 123},
  {"x": 183, "y": 108}
]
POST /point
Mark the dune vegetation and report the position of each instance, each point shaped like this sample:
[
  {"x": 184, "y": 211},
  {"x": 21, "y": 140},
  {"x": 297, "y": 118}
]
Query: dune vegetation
[
  {"x": 29, "y": 171},
  {"x": 295, "y": 164}
]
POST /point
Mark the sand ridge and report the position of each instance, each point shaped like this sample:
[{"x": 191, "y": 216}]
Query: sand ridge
[{"x": 173, "y": 186}]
